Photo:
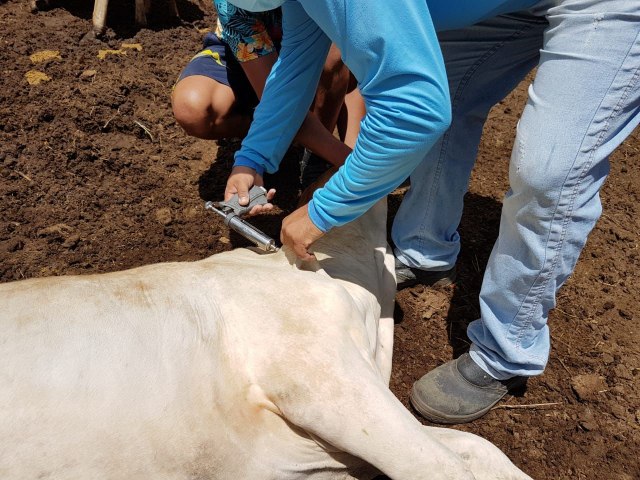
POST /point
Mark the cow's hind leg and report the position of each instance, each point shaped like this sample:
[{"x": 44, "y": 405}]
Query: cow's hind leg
[
  {"x": 484, "y": 458},
  {"x": 345, "y": 403},
  {"x": 352, "y": 409}
]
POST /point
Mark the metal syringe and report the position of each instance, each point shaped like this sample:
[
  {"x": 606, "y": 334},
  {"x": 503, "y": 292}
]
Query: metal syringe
[{"x": 244, "y": 228}]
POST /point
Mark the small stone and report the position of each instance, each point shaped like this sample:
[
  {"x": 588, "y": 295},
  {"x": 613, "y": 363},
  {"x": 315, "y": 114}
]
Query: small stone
[
  {"x": 619, "y": 411},
  {"x": 102, "y": 54},
  {"x": 71, "y": 241},
  {"x": 608, "y": 305},
  {"x": 618, "y": 390},
  {"x": 224, "y": 240},
  {"x": 588, "y": 426},
  {"x": 588, "y": 387},
  {"x": 57, "y": 230},
  {"x": 88, "y": 74},
  {"x": 625, "y": 314},
  {"x": 163, "y": 216},
  {"x": 622, "y": 371},
  {"x": 190, "y": 213},
  {"x": 607, "y": 359},
  {"x": 15, "y": 245}
]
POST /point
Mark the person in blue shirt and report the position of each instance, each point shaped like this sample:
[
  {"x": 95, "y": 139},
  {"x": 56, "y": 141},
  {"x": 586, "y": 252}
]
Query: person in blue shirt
[{"x": 427, "y": 99}]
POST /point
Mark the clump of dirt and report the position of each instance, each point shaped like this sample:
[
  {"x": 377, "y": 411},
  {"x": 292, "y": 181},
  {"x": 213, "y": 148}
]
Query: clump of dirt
[{"x": 96, "y": 176}]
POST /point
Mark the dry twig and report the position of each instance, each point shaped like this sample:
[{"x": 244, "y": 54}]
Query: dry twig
[
  {"x": 24, "y": 176},
  {"x": 522, "y": 407},
  {"x": 145, "y": 128}
]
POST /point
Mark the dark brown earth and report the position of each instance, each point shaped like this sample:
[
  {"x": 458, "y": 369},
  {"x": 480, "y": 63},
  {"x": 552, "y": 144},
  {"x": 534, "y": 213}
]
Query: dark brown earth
[{"x": 96, "y": 176}]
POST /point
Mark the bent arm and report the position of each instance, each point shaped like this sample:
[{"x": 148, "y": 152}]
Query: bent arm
[
  {"x": 288, "y": 92},
  {"x": 394, "y": 54}
]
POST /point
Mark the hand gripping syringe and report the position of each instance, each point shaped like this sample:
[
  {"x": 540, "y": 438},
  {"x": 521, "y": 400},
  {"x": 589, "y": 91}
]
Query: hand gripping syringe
[{"x": 232, "y": 213}]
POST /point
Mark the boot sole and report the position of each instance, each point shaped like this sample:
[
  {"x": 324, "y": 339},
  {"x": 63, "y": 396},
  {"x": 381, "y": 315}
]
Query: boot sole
[{"x": 443, "y": 282}]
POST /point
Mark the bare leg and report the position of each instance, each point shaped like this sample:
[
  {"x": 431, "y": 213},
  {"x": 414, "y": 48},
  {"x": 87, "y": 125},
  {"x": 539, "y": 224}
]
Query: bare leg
[
  {"x": 316, "y": 133},
  {"x": 314, "y": 136},
  {"x": 206, "y": 109},
  {"x": 331, "y": 89},
  {"x": 356, "y": 111}
]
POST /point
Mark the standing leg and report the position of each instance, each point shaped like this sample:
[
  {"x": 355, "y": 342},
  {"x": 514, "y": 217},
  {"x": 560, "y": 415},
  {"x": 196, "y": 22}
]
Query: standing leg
[
  {"x": 584, "y": 102},
  {"x": 484, "y": 63}
]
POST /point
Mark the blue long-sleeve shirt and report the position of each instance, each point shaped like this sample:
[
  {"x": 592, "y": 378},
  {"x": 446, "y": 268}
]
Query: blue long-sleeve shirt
[{"x": 392, "y": 50}]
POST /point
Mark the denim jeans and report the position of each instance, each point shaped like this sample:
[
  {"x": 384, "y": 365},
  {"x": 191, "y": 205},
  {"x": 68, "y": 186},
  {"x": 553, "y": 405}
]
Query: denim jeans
[{"x": 584, "y": 101}]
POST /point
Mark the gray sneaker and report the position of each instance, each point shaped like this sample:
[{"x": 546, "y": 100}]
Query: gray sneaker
[
  {"x": 459, "y": 391},
  {"x": 407, "y": 276}
]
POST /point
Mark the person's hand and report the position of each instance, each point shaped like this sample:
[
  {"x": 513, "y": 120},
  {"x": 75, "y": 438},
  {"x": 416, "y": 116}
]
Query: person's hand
[
  {"x": 298, "y": 233},
  {"x": 240, "y": 181}
]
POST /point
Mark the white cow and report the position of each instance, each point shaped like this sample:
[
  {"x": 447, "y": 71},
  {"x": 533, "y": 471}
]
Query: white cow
[
  {"x": 239, "y": 366},
  {"x": 143, "y": 7}
]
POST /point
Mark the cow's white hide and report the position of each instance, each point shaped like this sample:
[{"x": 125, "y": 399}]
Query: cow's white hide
[{"x": 239, "y": 366}]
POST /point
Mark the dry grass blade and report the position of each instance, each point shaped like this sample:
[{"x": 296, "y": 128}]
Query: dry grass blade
[{"x": 145, "y": 128}]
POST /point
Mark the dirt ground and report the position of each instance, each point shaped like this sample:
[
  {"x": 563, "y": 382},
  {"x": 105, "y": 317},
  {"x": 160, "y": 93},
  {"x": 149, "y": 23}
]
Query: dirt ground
[{"x": 96, "y": 176}]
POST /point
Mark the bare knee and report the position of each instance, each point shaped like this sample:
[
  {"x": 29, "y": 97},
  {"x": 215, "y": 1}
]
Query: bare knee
[
  {"x": 207, "y": 109},
  {"x": 193, "y": 110}
]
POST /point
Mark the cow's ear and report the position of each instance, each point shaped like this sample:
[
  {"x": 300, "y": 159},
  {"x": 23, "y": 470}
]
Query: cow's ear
[{"x": 305, "y": 196}]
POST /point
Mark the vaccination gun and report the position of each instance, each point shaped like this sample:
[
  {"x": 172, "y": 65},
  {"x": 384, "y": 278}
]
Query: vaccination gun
[{"x": 231, "y": 211}]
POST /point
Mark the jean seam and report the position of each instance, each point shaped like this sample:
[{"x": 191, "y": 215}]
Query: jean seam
[
  {"x": 565, "y": 218},
  {"x": 464, "y": 82}
]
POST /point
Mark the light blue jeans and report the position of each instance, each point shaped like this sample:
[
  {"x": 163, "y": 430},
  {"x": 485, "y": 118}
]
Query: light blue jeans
[{"x": 584, "y": 101}]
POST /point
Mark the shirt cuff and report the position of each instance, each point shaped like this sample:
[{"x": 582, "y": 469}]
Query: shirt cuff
[
  {"x": 241, "y": 161},
  {"x": 315, "y": 218}
]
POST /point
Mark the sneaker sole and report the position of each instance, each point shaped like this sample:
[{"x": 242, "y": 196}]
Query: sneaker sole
[{"x": 440, "y": 418}]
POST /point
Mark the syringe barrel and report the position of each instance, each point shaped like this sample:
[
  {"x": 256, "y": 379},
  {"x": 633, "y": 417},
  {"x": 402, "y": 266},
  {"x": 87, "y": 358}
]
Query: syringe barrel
[{"x": 262, "y": 241}]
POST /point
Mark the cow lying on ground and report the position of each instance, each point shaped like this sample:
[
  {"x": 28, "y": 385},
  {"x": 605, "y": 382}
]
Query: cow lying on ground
[
  {"x": 143, "y": 7},
  {"x": 239, "y": 366}
]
